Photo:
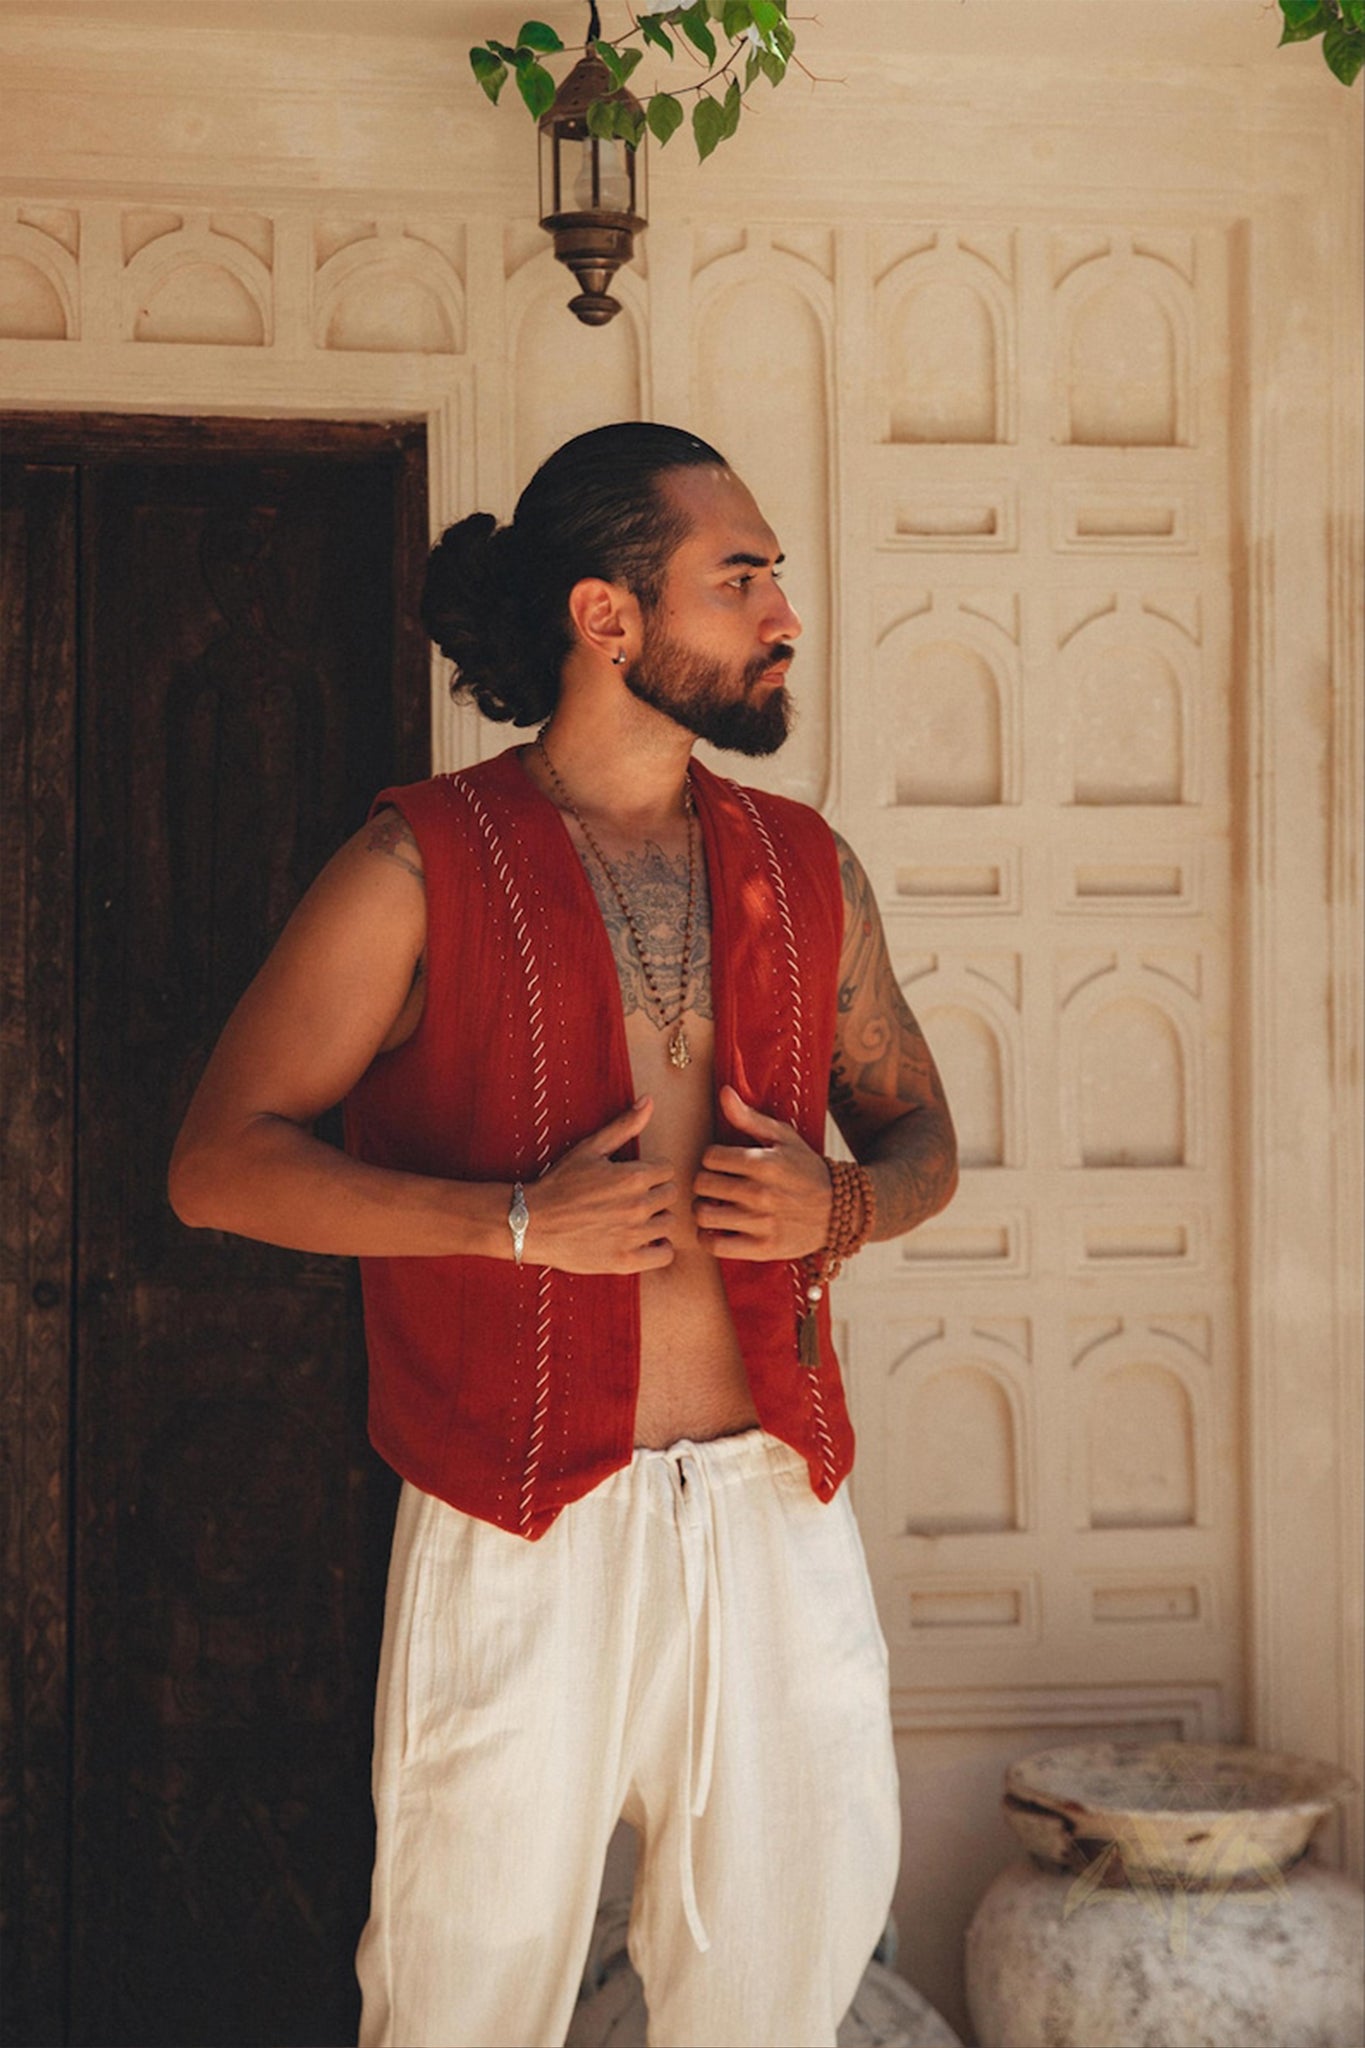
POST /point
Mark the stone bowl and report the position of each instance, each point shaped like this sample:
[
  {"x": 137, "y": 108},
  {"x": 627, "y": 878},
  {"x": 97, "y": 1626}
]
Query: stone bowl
[{"x": 1198, "y": 1815}]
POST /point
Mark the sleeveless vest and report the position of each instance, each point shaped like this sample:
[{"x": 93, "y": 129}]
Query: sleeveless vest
[{"x": 510, "y": 1391}]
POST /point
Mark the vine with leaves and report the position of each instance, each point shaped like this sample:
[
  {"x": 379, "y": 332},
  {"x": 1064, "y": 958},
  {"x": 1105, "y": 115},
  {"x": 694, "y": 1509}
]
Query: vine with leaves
[
  {"x": 1340, "y": 23},
  {"x": 734, "y": 42},
  {"x": 737, "y": 42}
]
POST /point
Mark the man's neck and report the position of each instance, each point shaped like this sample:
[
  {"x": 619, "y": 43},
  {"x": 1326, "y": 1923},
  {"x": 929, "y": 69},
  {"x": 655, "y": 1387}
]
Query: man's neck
[{"x": 625, "y": 770}]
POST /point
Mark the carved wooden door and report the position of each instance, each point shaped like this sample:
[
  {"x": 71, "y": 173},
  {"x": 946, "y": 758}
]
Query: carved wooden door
[{"x": 241, "y": 672}]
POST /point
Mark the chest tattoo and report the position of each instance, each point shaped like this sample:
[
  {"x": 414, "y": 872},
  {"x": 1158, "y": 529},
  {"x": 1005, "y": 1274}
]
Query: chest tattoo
[{"x": 655, "y": 886}]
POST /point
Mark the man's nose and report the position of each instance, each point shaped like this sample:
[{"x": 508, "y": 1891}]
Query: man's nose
[{"x": 783, "y": 621}]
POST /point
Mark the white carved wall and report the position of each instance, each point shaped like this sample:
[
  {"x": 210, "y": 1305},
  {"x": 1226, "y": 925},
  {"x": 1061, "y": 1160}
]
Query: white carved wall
[{"x": 1051, "y": 398}]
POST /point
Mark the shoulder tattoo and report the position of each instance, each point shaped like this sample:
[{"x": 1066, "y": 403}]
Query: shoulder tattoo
[{"x": 391, "y": 835}]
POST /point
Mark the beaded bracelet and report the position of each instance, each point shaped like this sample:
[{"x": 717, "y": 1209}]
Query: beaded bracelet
[{"x": 851, "y": 1213}]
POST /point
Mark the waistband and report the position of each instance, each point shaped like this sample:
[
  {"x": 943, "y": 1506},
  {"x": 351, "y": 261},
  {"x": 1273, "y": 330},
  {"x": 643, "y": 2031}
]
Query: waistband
[{"x": 747, "y": 1454}]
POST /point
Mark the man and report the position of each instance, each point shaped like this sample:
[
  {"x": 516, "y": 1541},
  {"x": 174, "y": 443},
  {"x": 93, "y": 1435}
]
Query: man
[{"x": 588, "y": 1005}]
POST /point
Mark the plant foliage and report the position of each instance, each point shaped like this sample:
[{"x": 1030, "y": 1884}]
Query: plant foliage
[
  {"x": 735, "y": 42},
  {"x": 1340, "y": 23}
]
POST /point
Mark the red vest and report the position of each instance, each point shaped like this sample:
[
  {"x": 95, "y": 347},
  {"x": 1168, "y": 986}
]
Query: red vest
[{"x": 507, "y": 1391}]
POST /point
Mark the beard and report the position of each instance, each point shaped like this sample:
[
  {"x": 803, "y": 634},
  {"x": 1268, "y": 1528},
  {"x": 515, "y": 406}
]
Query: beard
[{"x": 700, "y": 695}]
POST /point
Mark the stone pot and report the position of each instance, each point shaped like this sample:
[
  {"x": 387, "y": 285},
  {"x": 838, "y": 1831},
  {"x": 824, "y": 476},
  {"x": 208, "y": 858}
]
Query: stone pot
[{"x": 1168, "y": 1905}]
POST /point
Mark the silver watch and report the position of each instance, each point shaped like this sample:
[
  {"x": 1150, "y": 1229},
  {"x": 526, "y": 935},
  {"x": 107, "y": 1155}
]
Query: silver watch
[{"x": 518, "y": 1216}]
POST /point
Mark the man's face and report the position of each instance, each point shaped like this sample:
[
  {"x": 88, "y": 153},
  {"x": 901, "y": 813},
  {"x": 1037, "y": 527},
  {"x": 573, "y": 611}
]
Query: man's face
[{"x": 717, "y": 645}]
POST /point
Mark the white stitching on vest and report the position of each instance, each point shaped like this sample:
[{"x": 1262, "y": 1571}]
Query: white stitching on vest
[
  {"x": 812, "y": 1379},
  {"x": 540, "y": 1112}
]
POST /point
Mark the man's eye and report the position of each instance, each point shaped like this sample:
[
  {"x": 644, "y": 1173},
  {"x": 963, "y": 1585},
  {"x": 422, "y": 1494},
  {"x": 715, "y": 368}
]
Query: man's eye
[{"x": 742, "y": 581}]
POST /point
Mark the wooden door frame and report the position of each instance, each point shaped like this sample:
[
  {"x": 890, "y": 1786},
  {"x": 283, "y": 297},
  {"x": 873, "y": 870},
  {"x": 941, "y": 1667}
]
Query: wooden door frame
[{"x": 42, "y": 1735}]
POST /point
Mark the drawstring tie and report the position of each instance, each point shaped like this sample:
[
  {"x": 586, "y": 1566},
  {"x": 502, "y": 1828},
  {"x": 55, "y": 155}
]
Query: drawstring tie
[{"x": 697, "y": 1534}]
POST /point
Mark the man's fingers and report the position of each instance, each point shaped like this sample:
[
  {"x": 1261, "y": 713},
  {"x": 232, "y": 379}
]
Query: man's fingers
[
  {"x": 738, "y": 1161},
  {"x": 726, "y": 1244},
  {"x": 725, "y": 1187},
  {"x": 622, "y": 1128},
  {"x": 724, "y": 1216},
  {"x": 746, "y": 1118},
  {"x": 649, "y": 1257}
]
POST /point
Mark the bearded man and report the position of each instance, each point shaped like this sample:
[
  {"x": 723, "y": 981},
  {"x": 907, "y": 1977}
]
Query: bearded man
[{"x": 587, "y": 1006}]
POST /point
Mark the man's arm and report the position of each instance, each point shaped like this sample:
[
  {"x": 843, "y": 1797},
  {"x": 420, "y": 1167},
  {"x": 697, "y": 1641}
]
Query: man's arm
[
  {"x": 885, "y": 1093},
  {"x": 336, "y": 991}
]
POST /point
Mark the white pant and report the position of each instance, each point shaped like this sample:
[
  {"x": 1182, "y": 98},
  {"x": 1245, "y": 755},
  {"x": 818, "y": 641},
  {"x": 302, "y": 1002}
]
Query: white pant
[{"x": 693, "y": 1645}]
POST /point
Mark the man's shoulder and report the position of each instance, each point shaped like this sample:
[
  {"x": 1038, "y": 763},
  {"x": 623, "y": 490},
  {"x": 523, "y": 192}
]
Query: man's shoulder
[
  {"x": 434, "y": 794},
  {"x": 772, "y": 807}
]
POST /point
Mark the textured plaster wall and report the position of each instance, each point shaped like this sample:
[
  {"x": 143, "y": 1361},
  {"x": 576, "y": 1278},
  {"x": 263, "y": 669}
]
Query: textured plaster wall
[{"x": 1039, "y": 332}]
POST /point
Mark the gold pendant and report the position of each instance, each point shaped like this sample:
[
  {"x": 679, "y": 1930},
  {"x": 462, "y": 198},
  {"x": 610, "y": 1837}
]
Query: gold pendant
[{"x": 679, "y": 1051}]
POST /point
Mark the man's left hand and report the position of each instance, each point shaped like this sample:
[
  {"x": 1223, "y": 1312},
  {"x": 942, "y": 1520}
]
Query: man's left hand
[{"x": 768, "y": 1200}]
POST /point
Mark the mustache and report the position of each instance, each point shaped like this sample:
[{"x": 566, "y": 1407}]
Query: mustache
[{"x": 760, "y": 665}]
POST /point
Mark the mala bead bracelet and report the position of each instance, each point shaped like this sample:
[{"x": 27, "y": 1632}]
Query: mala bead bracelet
[{"x": 852, "y": 1209}]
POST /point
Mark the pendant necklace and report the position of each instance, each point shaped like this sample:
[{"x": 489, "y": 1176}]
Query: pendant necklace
[{"x": 679, "y": 1051}]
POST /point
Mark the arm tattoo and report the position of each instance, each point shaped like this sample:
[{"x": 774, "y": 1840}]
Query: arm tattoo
[
  {"x": 885, "y": 1093},
  {"x": 391, "y": 834}
]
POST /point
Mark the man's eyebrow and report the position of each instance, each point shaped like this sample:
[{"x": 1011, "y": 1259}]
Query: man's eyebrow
[{"x": 746, "y": 561}]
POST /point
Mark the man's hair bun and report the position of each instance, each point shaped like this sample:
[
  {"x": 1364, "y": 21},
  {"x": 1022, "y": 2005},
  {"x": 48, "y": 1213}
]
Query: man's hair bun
[{"x": 473, "y": 610}]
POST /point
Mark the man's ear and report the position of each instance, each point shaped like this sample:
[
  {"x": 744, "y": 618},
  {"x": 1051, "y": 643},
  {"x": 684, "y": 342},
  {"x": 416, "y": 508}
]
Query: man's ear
[{"x": 606, "y": 619}]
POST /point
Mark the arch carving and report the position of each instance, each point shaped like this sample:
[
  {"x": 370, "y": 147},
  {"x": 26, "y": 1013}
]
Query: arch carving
[
  {"x": 945, "y": 349},
  {"x": 39, "y": 286},
  {"x": 197, "y": 286}
]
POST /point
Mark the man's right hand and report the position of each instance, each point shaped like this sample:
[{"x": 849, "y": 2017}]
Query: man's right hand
[{"x": 594, "y": 1214}]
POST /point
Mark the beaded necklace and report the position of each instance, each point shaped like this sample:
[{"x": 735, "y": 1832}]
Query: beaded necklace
[{"x": 679, "y": 1051}]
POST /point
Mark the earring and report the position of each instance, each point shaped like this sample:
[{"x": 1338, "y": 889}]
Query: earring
[{"x": 618, "y": 661}]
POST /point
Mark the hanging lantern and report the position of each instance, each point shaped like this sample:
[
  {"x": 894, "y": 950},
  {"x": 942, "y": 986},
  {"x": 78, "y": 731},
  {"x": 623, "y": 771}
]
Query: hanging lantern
[{"x": 592, "y": 193}]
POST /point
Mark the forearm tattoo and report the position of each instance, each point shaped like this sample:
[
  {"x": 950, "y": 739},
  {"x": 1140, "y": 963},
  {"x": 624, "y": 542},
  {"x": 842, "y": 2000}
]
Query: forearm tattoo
[{"x": 885, "y": 1093}]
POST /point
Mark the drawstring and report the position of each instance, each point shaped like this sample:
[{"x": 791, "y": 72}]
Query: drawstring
[{"x": 696, "y": 1528}]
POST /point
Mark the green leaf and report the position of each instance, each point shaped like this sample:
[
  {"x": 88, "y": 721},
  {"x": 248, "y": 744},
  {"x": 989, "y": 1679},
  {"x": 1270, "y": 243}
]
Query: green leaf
[
  {"x": 730, "y": 110},
  {"x": 692, "y": 22},
  {"x": 630, "y": 124},
  {"x": 536, "y": 87},
  {"x": 601, "y": 119},
  {"x": 708, "y": 125},
  {"x": 784, "y": 37},
  {"x": 653, "y": 31},
  {"x": 490, "y": 71},
  {"x": 537, "y": 35},
  {"x": 503, "y": 50},
  {"x": 664, "y": 115},
  {"x": 736, "y": 18},
  {"x": 1353, "y": 11},
  {"x": 1344, "y": 50},
  {"x": 1304, "y": 19},
  {"x": 752, "y": 67},
  {"x": 765, "y": 16},
  {"x": 629, "y": 60},
  {"x": 773, "y": 67},
  {"x": 611, "y": 58}
]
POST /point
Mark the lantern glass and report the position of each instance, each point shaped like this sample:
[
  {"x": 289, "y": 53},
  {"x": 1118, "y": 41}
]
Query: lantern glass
[{"x": 580, "y": 174}]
